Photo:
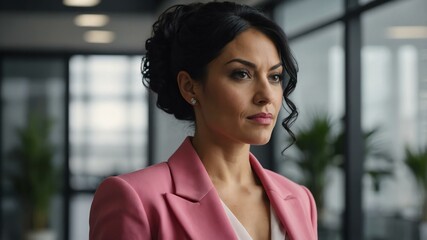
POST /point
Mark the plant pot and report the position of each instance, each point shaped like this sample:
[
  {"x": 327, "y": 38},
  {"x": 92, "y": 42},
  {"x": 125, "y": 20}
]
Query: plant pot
[
  {"x": 423, "y": 230},
  {"x": 46, "y": 234}
]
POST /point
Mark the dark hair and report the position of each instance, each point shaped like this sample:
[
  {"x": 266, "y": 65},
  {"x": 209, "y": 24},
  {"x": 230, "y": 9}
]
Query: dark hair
[{"x": 188, "y": 37}]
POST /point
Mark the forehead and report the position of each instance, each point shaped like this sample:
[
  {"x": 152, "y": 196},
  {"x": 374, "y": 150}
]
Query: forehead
[{"x": 252, "y": 45}]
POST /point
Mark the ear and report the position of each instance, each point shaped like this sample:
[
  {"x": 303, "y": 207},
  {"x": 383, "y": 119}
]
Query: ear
[{"x": 186, "y": 85}]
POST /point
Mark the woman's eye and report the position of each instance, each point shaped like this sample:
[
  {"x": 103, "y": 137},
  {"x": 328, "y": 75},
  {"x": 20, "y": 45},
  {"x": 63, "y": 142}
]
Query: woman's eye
[
  {"x": 276, "y": 77},
  {"x": 240, "y": 74}
]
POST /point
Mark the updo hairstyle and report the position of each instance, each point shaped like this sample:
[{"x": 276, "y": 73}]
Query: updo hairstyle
[{"x": 188, "y": 37}]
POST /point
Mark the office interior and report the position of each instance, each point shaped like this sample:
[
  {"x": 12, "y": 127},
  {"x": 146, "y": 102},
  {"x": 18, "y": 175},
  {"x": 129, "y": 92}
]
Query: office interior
[{"x": 71, "y": 87}]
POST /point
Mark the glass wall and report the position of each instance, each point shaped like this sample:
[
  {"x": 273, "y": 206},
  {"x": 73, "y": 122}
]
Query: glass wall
[
  {"x": 394, "y": 103},
  {"x": 393, "y": 111},
  {"x": 32, "y": 145},
  {"x": 319, "y": 97},
  {"x": 108, "y": 135},
  {"x": 296, "y": 16},
  {"x": 108, "y": 127}
]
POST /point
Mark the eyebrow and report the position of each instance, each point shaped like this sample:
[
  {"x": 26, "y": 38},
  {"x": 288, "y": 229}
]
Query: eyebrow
[{"x": 250, "y": 64}]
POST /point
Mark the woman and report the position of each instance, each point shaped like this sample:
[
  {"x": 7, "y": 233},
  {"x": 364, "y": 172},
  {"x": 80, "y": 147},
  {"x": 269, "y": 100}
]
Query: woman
[{"x": 221, "y": 65}]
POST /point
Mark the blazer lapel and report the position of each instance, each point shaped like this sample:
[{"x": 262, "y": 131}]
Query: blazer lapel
[
  {"x": 286, "y": 206},
  {"x": 202, "y": 219},
  {"x": 198, "y": 208},
  {"x": 195, "y": 202}
]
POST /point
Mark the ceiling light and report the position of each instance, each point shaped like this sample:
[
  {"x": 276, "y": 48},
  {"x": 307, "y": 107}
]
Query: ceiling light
[
  {"x": 91, "y": 20},
  {"x": 407, "y": 32},
  {"x": 97, "y": 36},
  {"x": 81, "y": 3}
]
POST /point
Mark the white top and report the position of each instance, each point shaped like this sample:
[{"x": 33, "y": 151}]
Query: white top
[{"x": 277, "y": 231}]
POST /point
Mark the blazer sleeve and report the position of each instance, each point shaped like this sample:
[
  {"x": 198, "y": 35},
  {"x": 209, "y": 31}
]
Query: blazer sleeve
[
  {"x": 313, "y": 210},
  {"x": 117, "y": 213}
]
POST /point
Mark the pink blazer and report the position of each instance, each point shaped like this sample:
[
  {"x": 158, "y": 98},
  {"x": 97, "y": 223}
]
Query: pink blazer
[{"x": 177, "y": 200}]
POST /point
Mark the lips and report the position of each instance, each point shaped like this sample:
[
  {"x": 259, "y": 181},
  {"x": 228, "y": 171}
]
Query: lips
[
  {"x": 262, "y": 118},
  {"x": 261, "y": 115}
]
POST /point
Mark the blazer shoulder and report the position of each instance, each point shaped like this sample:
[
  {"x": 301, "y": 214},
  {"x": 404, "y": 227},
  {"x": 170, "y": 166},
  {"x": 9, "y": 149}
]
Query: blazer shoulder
[
  {"x": 146, "y": 173},
  {"x": 300, "y": 192},
  {"x": 155, "y": 178},
  {"x": 280, "y": 179},
  {"x": 285, "y": 183}
]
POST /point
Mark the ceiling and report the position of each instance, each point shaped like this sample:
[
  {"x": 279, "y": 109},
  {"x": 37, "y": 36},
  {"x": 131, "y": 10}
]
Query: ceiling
[
  {"x": 112, "y": 6},
  {"x": 48, "y": 25}
]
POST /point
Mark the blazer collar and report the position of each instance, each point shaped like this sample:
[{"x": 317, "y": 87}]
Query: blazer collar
[
  {"x": 189, "y": 175},
  {"x": 195, "y": 202},
  {"x": 198, "y": 207},
  {"x": 286, "y": 205}
]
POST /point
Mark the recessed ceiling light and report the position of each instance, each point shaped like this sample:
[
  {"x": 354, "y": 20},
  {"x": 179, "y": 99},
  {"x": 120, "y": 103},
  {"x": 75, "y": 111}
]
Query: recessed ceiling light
[
  {"x": 81, "y": 3},
  {"x": 91, "y": 20},
  {"x": 97, "y": 36},
  {"x": 407, "y": 32}
]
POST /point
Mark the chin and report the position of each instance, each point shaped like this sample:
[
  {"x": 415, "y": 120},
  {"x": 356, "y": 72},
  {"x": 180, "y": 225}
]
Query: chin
[{"x": 260, "y": 140}]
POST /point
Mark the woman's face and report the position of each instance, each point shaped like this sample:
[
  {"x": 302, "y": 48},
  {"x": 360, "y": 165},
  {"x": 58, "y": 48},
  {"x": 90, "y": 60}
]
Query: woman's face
[{"x": 240, "y": 99}]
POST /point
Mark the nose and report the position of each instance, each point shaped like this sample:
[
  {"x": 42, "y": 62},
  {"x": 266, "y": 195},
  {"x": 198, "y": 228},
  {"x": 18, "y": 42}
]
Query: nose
[{"x": 263, "y": 92}]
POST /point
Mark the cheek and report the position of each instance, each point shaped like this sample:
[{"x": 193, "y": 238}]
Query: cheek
[
  {"x": 278, "y": 96},
  {"x": 230, "y": 100},
  {"x": 224, "y": 94}
]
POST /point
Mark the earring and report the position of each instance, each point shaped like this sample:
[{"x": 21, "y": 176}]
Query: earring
[{"x": 193, "y": 101}]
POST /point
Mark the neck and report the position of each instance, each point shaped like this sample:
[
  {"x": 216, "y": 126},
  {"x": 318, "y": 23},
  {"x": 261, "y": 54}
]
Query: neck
[{"x": 226, "y": 162}]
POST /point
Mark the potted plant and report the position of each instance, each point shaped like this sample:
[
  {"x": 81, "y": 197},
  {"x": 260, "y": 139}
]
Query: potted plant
[
  {"x": 315, "y": 155},
  {"x": 320, "y": 148},
  {"x": 383, "y": 161},
  {"x": 417, "y": 164},
  {"x": 36, "y": 176}
]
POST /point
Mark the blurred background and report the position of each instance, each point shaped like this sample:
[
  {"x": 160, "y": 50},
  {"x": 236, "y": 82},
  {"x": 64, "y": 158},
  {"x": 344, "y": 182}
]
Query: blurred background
[{"x": 74, "y": 111}]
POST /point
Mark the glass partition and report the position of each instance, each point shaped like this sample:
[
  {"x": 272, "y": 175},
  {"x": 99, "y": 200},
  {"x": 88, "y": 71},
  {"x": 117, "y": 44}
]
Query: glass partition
[
  {"x": 296, "y": 16},
  {"x": 394, "y": 105},
  {"x": 319, "y": 97},
  {"x": 108, "y": 127},
  {"x": 32, "y": 137}
]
